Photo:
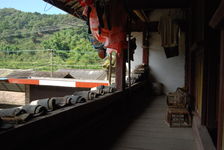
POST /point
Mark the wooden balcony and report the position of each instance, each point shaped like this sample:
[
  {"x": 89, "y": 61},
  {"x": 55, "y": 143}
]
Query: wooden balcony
[{"x": 128, "y": 120}]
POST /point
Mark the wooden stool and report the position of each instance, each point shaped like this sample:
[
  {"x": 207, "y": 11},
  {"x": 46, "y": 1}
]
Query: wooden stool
[{"x": 178, "y": 117}]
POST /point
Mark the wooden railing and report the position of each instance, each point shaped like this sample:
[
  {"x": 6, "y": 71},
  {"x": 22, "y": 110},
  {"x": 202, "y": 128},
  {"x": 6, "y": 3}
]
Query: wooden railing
[{"x": 76, "y": 120}]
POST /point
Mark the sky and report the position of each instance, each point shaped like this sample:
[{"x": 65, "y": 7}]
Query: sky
[{"x": 31, "y": 6}]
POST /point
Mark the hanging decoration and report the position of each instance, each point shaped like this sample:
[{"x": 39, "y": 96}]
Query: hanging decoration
[{"x": 107, "y": 22}]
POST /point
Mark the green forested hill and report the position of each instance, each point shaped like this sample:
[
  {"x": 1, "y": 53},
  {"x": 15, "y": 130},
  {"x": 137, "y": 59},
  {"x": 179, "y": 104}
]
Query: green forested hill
[
  {"x": 29, "y": 30},
  {"x": 65, "y": 34}
]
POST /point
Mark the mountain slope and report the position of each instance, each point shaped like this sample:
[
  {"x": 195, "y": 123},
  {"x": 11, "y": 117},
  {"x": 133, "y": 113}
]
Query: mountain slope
[
  {"x": 66, "y": 35},
  {"x": 28, "y": 30}
]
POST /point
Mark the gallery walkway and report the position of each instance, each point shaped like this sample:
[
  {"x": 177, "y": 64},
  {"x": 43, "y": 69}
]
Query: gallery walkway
[{"x": 149, "y": 131}]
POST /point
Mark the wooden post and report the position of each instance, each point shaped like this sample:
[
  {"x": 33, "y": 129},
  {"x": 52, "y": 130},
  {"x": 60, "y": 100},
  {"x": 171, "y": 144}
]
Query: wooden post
[
  {"x": 110, "y": 69},
  {"x": 129, "y": 61},
  {"x": 120, "y": 71},
  {"x": 221, "y": 96},
  {"x": 145, "y": 46}
]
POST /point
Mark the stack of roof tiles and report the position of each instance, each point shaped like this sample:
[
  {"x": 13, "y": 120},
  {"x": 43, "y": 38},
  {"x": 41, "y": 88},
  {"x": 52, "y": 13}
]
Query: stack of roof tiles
[{"x": 17, "y": 115}]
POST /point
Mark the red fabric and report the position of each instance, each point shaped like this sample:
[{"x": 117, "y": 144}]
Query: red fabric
[
  {"x": 114, "y": 39},
  {"x": 85, "y": 2},
  {"x": 94, "y": 26}
]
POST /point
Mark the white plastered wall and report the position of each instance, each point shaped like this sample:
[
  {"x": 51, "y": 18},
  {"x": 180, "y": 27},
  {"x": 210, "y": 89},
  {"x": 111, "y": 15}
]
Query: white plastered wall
[{"x": 169, "y": 71}]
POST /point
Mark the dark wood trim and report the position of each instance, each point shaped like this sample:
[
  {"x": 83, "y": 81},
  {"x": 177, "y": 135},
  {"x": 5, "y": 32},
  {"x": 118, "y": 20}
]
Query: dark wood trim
[
  {"x": 221, "y": 95},
  {"x": 217, "y": 20},
  {"x": 61, "y": 5},
  {"x": 146, "y": 4}
]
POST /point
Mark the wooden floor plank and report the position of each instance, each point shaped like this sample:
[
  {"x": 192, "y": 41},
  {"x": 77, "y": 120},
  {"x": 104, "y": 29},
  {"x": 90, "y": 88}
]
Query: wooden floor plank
[
  {"x": 156, "y": 134},
  {"x": 150, "y": 132}
]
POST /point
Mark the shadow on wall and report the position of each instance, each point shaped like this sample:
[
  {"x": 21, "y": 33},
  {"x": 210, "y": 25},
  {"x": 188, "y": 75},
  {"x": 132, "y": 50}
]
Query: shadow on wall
[
  {"x": 156, "y": 86},
  {"x": 169, "y": 71}
]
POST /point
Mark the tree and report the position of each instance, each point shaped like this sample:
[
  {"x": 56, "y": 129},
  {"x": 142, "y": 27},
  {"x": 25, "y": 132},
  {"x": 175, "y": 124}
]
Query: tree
[
  {"x": 9, "y": 49},
  {"x": 65, "y": 34}
]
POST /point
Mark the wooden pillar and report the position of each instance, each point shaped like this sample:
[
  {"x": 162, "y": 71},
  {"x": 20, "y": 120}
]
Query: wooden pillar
[
  {"x": 220, "y": 144},
  {"x": 145, "y": 46},
  {"x": 120, "y": 70},
  {"x": 145, "y": 58}
]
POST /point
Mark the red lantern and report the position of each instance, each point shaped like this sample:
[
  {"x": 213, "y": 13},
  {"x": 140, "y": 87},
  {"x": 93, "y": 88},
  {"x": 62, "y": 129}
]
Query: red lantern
[{"x": 102, "y": 53}]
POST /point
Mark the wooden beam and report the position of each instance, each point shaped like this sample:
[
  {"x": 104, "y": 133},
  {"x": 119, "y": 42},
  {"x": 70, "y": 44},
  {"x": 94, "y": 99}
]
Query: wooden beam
[
  {"x": 120, "y": 70},
  {"x": 140, "y": 26},
  {"x": 155, "y": 4},
  {"x": 217, "y": 20},
  {"x": 67, "y": 8},
  {"x": 140, "y": 15}
]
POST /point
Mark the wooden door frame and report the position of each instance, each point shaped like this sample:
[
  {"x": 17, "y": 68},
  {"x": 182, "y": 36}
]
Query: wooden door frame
[
  {"x": 217, "y": 22},
  {"x": 198, "y": 48}
]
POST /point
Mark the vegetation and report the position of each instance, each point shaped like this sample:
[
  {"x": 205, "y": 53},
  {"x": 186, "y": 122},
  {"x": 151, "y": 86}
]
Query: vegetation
[{"x": 34, "y": 40}]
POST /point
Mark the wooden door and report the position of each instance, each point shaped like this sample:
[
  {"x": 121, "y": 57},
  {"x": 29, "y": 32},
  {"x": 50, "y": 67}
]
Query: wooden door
[{"x": 199, "y": 65}]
